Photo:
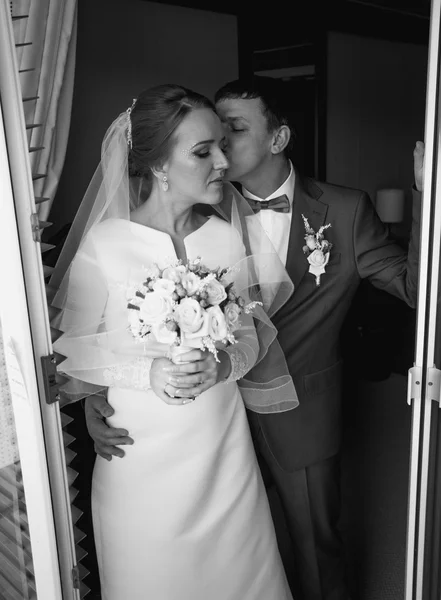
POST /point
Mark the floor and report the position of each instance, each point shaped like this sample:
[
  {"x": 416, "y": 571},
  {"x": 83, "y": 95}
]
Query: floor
[{"x": 375, "y": 479}]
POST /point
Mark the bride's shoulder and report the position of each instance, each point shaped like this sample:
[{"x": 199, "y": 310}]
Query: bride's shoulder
[
  {"x": 225, "y": 229},
  {"x": 226, "y": 240},
  {"x": 101, "y": 232}
]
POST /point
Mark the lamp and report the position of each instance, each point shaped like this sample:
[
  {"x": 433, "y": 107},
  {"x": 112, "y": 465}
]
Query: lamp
[{"x": 390, "y": 205}]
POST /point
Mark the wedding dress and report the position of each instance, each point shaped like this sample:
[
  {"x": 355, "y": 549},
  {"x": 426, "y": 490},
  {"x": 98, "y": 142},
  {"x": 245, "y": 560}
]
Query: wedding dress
[{"x": 184, "y": 515}]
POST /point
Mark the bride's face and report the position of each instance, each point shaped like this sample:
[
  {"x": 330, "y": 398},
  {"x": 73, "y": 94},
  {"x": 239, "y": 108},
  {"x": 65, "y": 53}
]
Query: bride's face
[{"x": 197, "y": 164}]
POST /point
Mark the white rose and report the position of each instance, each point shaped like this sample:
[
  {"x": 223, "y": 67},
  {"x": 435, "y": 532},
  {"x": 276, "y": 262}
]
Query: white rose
[
  {"x": 232, "y": 312},
  {"x": 217, "y": 324},
  {"x": 310, "y": 241},
  {"x": 192, "y": 318},
  {"x": 318, "y": 258},
  {"x": 215, "y": 292},
  {"x": 191, "y": 283},
  {"x": 163, "y": 334},
  {"x": 174, "y": 273},
  {"x": 194, "y": 339},
  {"x": 155, "y": 308},
  {"x": 164, "y": 287}
]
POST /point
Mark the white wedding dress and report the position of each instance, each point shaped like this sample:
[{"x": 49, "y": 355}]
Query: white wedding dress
[{"x": 184, "y": 515}]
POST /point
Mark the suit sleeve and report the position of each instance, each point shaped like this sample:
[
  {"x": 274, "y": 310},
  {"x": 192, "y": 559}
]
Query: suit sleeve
[{"x": 381, "y": 260}]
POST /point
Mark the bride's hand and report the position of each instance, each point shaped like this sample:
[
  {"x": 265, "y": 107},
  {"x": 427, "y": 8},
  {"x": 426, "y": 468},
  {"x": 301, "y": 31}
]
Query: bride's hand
[
  {"x": 197, "y": 373},
  {"x": 160, "y": 382}
]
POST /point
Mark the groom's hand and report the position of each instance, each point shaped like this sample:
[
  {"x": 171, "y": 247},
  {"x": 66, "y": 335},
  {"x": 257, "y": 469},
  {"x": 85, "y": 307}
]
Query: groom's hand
[
  {"x": 107, "y": 439},
  {"x": 418, "y": 165}
]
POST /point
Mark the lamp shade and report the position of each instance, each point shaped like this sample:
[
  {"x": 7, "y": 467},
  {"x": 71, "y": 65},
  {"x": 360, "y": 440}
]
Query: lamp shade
[{"x": 390, "y": 205}]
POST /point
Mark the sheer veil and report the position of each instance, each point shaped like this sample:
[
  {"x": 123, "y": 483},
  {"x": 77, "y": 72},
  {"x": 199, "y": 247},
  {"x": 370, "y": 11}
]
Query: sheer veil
[
  {"x": 108, "y": 196},
  {"x": 261, "y": 276}
]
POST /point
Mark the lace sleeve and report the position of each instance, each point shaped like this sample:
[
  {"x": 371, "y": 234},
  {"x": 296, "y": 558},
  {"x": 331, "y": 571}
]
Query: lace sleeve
[
  {"x": 243, "y": 354},
  {"x": 134, "y": 374},
  {"x": 95, "y": 341}
]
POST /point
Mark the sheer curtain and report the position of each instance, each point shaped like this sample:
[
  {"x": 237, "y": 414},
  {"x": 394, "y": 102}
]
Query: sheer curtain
[{"x": 45, "y": 33}]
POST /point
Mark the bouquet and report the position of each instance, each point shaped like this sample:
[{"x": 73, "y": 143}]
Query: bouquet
[{"x": 187, "y": 305}]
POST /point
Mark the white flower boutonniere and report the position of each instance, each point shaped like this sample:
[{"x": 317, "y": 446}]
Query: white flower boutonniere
[{"x": 317, "y": 249}]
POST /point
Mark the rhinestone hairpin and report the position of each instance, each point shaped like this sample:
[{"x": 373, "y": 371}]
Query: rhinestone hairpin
[{"x": 129, "y": 124}]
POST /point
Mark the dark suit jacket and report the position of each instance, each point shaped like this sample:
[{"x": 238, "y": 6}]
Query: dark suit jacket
[{"x": 310, "y": 322}]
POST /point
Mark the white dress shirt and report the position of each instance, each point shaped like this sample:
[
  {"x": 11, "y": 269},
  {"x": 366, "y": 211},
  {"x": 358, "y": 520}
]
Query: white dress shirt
[{"x": 277, "y": 225}]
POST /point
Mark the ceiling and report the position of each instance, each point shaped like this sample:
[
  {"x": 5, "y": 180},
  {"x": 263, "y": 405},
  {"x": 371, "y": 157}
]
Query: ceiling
[
  {"x": 416, "y": 8},
  {"x": 419, "y": 8},
  {"x": 291, "y": 22}
]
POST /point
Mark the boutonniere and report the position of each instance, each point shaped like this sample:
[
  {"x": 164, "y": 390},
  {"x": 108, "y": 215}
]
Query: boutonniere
[{"x": 317, "y": 249}]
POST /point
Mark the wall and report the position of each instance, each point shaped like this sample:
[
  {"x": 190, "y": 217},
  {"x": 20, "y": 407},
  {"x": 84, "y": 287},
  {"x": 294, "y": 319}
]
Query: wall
[
  {"x": 375, "y": 112},
  {"x": 125, "y": 46}
]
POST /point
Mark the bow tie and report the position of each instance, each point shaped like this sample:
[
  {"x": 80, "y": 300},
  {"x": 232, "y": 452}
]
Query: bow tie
[{"x": 279, "y": 204}]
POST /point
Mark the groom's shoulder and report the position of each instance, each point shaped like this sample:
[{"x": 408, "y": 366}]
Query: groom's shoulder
[
  {"x": 334, "y": 193},
  {"x": 337, "y": 196}
]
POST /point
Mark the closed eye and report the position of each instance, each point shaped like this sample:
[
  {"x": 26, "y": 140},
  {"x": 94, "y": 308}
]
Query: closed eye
[{"x": 202, "y": 154}]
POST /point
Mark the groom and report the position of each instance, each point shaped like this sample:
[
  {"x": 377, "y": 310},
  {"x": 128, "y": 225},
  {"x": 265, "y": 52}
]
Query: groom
[{"x": 301, "y": 447}]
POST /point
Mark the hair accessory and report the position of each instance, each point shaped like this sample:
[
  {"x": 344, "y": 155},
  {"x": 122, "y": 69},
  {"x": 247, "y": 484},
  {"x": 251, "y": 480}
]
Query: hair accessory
[
  {"x": 129, "y": 124},
  {"x": 164, "y": 183}
]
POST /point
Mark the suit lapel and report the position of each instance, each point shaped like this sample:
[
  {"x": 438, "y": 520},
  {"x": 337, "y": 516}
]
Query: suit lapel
[{"x": 306, "y": 202}]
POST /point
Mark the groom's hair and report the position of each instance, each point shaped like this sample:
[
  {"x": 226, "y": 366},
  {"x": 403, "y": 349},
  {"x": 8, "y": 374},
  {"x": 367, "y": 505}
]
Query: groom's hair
[{"x": 272, "y": 94}]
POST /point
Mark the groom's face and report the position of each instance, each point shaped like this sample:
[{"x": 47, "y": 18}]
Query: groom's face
[{"x": 249, "y": 140}]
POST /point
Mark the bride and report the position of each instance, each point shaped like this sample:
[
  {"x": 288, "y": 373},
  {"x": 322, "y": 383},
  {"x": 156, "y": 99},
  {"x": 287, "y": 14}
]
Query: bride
[{"x": 185, "y": 514}]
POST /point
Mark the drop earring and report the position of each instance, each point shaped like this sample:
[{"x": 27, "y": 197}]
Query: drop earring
[{"x": 164, "y": 183}]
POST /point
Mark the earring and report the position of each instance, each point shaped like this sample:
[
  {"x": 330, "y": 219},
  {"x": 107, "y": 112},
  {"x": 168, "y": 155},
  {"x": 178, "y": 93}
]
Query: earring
[{"x": 164, "y": 183}]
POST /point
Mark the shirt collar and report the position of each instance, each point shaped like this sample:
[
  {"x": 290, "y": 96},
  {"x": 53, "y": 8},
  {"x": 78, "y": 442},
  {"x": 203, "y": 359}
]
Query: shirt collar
[{"x": 287, "y": 188}]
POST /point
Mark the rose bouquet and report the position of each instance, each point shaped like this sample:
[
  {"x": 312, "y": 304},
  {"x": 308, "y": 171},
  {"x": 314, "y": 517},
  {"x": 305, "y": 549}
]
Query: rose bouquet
[{"x": 186, "y": 305}]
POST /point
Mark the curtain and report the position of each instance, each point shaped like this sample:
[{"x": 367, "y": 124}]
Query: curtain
[{"x": 46, "y": 42}]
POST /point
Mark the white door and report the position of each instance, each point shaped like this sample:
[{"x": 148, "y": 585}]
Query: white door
[
  {"x": 37, "y": 542},
  {"x": 423, "y": 566}
]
